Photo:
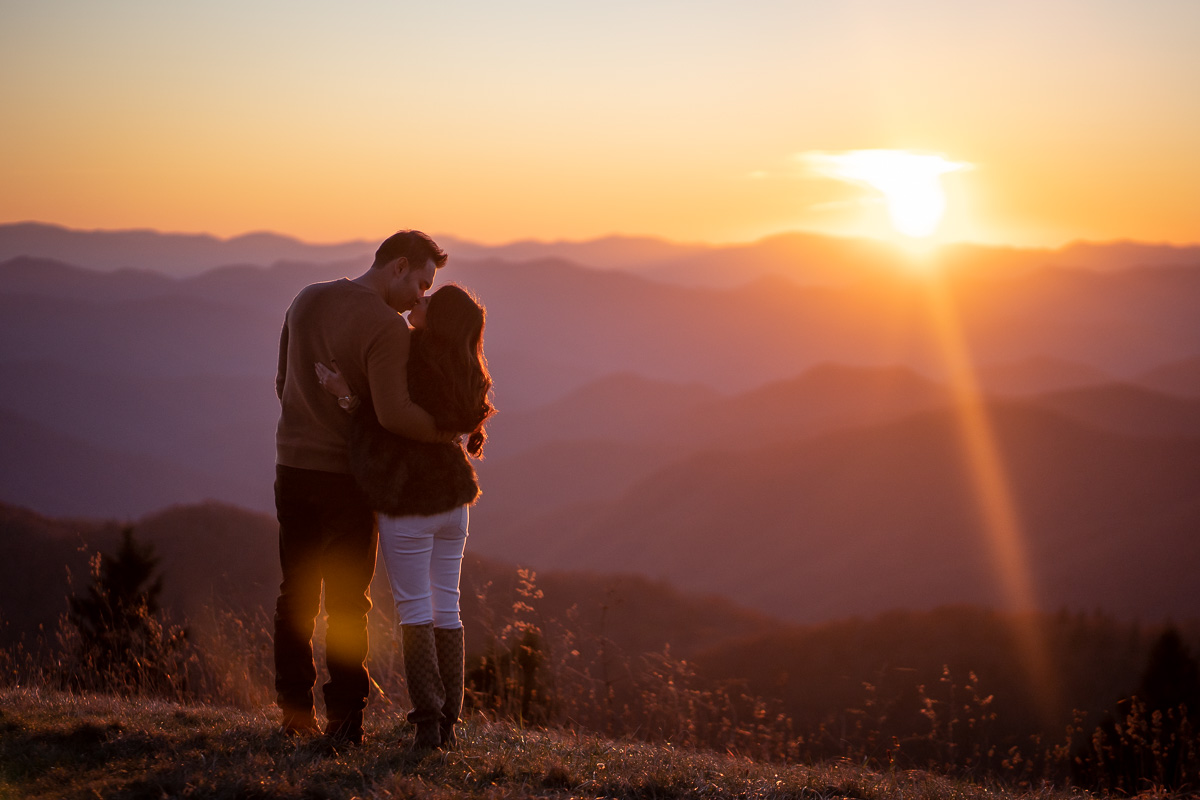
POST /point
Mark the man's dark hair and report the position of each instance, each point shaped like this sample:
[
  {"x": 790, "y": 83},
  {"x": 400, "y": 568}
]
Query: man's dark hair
[{"x": 417, "y": 247}]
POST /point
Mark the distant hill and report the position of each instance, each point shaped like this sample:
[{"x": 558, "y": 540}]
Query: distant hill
[
  {"x": 45, "y": 277},
  {"x": 632, "y": 409},
  {"x": 629, "y": 253},
  {"x": 520, "y": 492},
  {"x": 807, "y": 258},
  {"x": 1121, "y": 255},
  {"x": 1179, "y": 377},
  {"x": 867, "y": 519},
  {"x": 608, "y": 322},
  {"x": 214, "y": 555},
  {"x": 161, "y": 336},
  {"x": 592, "y": 447},
  {"x": 825, "y": 398},
  {"x": 45, "y": 469},
  {"x": 215, "y": 432},
  {"x": 816, "y": 259},
  {"x": 819, "y": 672},
  {"x": 622, "y": 407},
  {"x": 40, "y": 559},
  {"x": 1038, "y": 374},
  {"x": 1126, "y": 408},
  {"x": 173, "y": 254}
]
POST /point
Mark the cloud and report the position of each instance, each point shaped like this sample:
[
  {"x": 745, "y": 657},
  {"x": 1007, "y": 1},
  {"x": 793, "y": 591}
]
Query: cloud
[{"x": 877, "y": 166}]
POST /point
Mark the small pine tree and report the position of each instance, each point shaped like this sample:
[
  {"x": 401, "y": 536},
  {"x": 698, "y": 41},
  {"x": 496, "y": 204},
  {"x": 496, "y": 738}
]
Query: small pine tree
[
  {"x": 1171, "y": 679},
  {"x": 121, "y": 643}
]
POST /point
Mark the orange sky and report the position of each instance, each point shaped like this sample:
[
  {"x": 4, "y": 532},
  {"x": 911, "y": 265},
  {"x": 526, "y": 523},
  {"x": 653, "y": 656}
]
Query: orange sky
[{"x": 548, "y": 120}]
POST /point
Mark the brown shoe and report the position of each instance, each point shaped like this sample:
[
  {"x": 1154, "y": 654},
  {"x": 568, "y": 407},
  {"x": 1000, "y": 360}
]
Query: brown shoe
[
  {"x": 347, "y": 730},
  {"x": 299, "y": 723}
]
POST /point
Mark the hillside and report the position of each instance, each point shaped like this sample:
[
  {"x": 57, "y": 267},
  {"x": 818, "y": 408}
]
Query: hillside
[
  {"x": 863, "y": 520},
  {"x": 621, "y": 654},
  {"x": 73, "y": 747},
  {"x": 198, "y": 436},
  {"x": 1179, "y": 377},
  {"x": 1128, "y": 409},
  {"x": 635, "y": 410},
  {"x": 818, "y": 672},
  {"x": 1038, "y": 374},
  {"x": 216, "y": 557},
  {"x": 829, "y": 436},
  {"x": 44, "y": 469}
]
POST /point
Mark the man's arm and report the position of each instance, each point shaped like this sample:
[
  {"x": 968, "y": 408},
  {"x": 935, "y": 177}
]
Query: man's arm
[
  {"x": 387, "y": 373},
  {"x": 281, "y": 370}
]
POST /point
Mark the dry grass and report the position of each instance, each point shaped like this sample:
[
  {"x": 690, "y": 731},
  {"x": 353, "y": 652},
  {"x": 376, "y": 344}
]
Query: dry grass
[
  {"x": 59, "y": 745},
  {"x": 542, "y": 695}
]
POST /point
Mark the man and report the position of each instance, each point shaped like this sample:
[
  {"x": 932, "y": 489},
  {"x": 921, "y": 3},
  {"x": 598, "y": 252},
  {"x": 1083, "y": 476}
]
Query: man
[{"x": 327, "y": 532}]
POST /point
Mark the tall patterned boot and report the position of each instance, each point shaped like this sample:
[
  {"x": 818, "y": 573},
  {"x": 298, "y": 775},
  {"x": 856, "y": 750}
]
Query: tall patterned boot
[
  {"x": 450, "y": 658},
  {"x": 424, "y": 684}
]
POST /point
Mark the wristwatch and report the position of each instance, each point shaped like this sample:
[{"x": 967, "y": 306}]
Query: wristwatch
[{"x": 348, "y": 402}]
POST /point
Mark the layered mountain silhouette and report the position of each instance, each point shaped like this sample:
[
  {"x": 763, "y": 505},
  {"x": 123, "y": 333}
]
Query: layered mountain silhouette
[
  {"x": 803, "y": 257},
  {"x": 772, "y": 422},
  {"x": 174, "y": 254},
  {"x": 1180, "y": 377},
  {"x": 865, "y": 519},
  {"x": 1038, "y": 374},
  {"x": 48, "y": 469}
]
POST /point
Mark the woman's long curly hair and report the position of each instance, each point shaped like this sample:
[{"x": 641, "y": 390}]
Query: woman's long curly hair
[{"x": 448, "y": 352}]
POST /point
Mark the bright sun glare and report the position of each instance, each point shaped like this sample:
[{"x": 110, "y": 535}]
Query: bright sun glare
[{"x": 911, "y": 183}]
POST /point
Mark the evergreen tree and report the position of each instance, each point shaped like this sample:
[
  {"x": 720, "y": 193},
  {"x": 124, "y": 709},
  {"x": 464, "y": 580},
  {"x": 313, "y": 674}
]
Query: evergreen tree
[
  {"x": 1172, "y": 676},
  {"x": 122, "y": 644}
]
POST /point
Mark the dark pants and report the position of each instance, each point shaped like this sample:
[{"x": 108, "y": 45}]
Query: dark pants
[{"x": 326, "y": 534}]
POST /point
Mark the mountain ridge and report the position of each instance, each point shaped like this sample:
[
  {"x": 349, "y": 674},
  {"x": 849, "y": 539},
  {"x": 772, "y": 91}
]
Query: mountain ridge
[{"x": 824, "y": 259}]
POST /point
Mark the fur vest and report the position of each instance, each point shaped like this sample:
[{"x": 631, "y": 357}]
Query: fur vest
[{"x": 404, "y": 477}]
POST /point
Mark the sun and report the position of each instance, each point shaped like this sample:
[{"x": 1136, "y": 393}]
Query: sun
[{"x": 911, "y": 183}]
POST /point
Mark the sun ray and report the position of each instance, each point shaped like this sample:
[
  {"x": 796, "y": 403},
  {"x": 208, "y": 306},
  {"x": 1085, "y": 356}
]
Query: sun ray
[
  {"x": 993, "y": 490},
  {"x": 910, "y": 183}
]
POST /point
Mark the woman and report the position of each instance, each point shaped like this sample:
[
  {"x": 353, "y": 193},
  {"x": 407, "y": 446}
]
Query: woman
[{"x": 422, "y": 492}]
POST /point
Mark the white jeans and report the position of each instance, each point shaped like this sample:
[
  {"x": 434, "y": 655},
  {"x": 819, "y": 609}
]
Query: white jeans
[{"x": 423, "y": 556}]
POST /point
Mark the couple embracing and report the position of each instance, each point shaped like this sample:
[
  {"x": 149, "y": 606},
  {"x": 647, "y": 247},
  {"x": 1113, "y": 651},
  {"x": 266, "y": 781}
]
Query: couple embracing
[{"x": 370, "y": 452}]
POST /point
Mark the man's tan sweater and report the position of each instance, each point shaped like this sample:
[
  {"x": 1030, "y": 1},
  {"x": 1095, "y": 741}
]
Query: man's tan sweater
[{"x": 348, "y": 323}]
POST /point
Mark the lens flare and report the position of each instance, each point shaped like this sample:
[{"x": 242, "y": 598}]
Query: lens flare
[
  {"x": 910, "y": 183},
  {"x": 993, "y": 490}
]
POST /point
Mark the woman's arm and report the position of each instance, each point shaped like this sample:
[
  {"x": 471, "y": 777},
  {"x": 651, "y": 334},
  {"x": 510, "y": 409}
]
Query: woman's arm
[{"x": 331, "y": 380}]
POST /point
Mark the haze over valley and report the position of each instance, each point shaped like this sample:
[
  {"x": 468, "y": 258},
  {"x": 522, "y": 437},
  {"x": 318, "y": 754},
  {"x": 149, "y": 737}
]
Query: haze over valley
[{"x": 772, "y": 422}]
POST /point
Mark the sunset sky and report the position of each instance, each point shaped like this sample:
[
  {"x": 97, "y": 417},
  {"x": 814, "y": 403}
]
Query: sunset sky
[{"x": 693, "y": 121}]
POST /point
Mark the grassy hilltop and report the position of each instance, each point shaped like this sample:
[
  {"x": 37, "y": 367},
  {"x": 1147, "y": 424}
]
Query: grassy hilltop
[
  {"x": 55, "y": 745},
  {"x": 694, "y": 699}
]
